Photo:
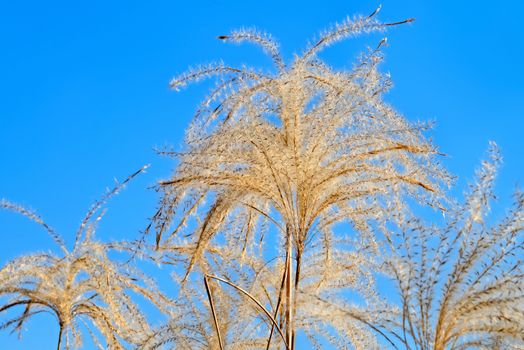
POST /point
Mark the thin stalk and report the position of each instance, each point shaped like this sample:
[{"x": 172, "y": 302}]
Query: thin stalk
[
  {"x": 211, "y": 304},
  {"x": 243, "y": 291},
  {"x": 60, "y": 336},
  {"x": 277, "y": 309},
  {"x": 289, "y": 293},
  {"x": 297, "y": 279}
]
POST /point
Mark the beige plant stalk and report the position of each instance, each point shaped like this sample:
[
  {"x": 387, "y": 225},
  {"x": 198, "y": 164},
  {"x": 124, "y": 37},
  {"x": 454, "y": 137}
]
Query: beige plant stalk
[
  {"x": 299, "y": 151},
  {"x": 81, "y": 287},
  {"x": 461, "y": 285}
]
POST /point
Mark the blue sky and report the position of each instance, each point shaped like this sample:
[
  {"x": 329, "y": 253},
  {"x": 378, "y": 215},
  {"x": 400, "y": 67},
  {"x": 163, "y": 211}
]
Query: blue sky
[{"x": 84, "y": 95}]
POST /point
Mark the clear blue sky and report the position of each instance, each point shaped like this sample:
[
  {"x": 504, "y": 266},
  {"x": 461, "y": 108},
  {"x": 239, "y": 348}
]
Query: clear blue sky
[{"x": 84, "y": 95}]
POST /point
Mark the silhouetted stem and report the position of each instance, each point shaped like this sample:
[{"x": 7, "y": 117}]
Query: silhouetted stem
[
  {"x": 297, "y": 279},
  {"x": 212, "y": 305},
  {"x": 277, "y": 309},
  {"x": 60, "y": 336}
]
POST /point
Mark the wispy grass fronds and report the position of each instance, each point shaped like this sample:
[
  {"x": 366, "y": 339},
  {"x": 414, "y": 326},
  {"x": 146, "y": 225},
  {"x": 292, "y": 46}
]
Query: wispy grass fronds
[
  {"x": 81, "y": 287},
  {"x": 461, "y": 285},
  {"x": 299, "y": 150}
]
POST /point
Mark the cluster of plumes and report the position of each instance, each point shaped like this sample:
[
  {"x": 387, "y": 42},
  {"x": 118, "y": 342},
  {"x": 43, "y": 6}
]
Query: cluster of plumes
[
  {"x": 81, "y": 287},
  {"x": 270, "y": 222},
  {"x": 284, "y": 157},
  {"x": 309, "y": 144},
  {"x": 461, "y": 285}
]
